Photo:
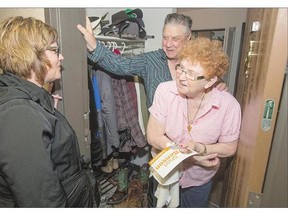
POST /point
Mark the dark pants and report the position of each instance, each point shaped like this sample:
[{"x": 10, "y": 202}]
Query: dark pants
[{"x": 195, "y": 197}]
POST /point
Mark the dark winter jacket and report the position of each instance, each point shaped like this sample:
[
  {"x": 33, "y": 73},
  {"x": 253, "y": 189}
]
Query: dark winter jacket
[{"x": 39, "y": 152}]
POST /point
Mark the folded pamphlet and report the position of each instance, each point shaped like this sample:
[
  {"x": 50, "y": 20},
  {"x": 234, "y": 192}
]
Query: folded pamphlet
[{"x": 166, "y": 160}]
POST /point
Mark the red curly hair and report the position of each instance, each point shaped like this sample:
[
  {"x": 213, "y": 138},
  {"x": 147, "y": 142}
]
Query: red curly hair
[{"x": 209, "y": 54}]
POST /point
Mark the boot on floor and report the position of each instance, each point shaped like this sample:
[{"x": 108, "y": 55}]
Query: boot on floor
[
  {"x": 115, "y": 163},
  {"x": 121, "y": 192},
  {"x": 108, "y": 168},
  {"x": 144, "y": 177}
]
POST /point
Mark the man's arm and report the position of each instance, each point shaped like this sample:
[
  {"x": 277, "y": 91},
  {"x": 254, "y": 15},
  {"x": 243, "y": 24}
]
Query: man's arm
[{"x": 108, "y": 60}]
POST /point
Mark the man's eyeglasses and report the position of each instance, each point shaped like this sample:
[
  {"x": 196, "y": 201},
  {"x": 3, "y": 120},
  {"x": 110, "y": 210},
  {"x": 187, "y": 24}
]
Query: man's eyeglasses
[
  {"x": 189, "y": 75},
  {"x": 55, "y": 49}
]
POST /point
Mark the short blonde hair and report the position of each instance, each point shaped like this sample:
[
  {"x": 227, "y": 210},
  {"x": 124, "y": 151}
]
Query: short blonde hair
[
  {"x": 23, "y": 42},
  {"x": 209, "y": 54}
]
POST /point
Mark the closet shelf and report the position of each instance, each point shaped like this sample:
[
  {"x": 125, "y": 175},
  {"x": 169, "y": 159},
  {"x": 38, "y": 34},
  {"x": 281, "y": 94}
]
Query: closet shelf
[{"x": 118, "y": 39}]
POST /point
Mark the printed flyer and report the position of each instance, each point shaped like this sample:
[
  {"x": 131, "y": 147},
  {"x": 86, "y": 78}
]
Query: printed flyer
[{"x": 166, "y": 160}]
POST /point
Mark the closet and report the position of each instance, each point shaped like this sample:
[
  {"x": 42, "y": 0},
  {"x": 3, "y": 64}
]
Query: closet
[
  {"x": 128, "y": 47},
  {"x": 122, "y": 116}
]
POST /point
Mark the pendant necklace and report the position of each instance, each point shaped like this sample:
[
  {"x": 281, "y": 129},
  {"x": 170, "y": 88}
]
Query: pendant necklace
[{"x": 190, "y": 121}]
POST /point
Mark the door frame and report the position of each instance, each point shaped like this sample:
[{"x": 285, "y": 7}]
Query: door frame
[{"x": 73, "y": 86}]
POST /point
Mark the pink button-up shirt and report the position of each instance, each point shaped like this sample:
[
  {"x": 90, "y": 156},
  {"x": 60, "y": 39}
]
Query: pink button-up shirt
[{"x": 218, "y": 121}]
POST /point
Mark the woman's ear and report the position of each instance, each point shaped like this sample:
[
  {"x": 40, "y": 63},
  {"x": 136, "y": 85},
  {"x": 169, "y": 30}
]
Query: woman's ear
[{"x": 211, "y": 82}]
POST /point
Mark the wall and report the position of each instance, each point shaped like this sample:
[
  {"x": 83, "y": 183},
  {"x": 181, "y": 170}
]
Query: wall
[
  {"x": 34, "y": 12},
  {"x": 214, "y": 18}
]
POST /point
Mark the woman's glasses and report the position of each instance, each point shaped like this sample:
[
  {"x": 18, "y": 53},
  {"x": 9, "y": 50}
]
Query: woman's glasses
[
  {"x": 55, "y": 49},
  {"x": 188, "y": 74}
]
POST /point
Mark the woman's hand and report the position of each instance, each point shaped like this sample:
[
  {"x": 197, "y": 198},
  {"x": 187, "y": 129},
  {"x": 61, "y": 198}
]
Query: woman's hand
[
  {"x": 211, "y": 160},
  {"x": 88, "y": 35},
  {"x": 186, "y": 148},
  {"x": 56, "y": 98}
]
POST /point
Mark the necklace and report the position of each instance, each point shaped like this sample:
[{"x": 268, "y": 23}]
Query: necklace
[{"x": 190, "y": 121}]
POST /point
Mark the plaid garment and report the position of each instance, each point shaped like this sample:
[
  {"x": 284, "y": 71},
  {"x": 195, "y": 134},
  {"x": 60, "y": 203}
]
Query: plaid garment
[{"x": 127, "y": 115}]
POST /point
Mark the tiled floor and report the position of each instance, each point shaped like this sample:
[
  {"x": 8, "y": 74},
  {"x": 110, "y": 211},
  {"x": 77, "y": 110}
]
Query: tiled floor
[{"x": 108, "y": 187}]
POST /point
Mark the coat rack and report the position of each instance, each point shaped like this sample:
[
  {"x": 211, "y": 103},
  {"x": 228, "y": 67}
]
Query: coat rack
[{"x": 125, "y": 46}]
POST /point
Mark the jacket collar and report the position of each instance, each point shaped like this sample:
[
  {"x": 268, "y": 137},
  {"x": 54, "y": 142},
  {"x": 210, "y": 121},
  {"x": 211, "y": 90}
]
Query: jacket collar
[
  {"x": 163, "y": 55},
  {"x": 13, "y": 87}
]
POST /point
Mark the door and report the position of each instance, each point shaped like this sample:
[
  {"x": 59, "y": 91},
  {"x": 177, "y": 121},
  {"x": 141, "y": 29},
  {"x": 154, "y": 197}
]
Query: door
[{"x": 259, "y": 89}]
